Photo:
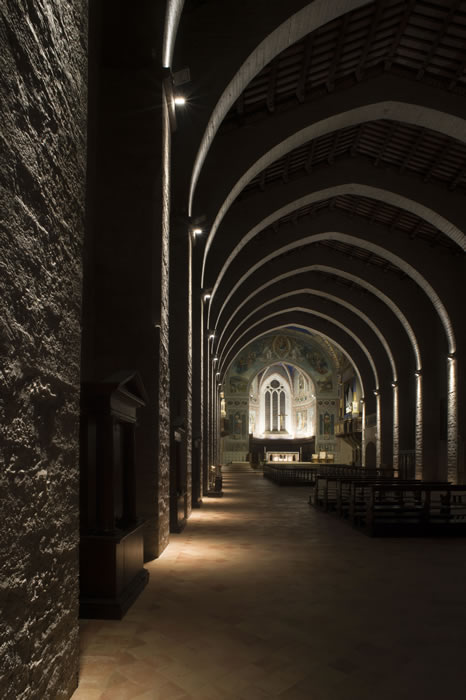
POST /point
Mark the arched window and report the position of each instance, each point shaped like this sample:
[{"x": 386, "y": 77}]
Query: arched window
[
  {"x": 267, "y": 411},
  {"x": 274, "y": 406}
]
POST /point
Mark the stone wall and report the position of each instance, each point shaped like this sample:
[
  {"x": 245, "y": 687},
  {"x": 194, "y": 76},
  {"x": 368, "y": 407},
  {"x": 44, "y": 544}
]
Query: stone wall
[
  {"x": 164, "y": 364},
  {"x": 43, "y": 95}
]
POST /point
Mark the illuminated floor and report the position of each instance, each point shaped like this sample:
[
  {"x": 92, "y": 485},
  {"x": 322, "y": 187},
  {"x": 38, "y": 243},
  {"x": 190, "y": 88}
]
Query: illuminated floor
[{"x": 262, "y": 597}]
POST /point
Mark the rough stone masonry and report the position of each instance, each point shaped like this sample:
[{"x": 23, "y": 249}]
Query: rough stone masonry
[{"x": 43, "y": 95}]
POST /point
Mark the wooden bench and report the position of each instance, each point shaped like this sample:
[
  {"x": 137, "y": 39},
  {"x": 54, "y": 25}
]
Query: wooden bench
[
  {"x": 331, "y": 491},
  {"x": 417, "y": 509},
  {"x": 360, "y": 494},
  {"x": 290, "y": 476}
]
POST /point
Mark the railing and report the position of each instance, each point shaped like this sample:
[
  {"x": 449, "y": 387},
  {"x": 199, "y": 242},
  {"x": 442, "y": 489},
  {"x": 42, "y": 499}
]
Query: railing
[
  {"x": 348, "y": 426},
  {"x": 307, "y": 475}
]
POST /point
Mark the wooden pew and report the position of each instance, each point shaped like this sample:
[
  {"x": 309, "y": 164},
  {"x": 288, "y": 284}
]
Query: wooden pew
[
  {"x": 415, "y": 509},
  {"x": 331, "y": 491}
]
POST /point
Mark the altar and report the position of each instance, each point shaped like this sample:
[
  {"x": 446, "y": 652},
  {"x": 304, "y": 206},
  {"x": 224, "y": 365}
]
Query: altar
[{"x": 282, "y": 457}]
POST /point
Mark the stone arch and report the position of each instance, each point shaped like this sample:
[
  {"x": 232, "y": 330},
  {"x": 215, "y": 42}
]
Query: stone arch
[
  {"x": 379, "y": 250},
  {"x": 419, "y": 437},
  {"x": 377, "y": 333},
  {"x": 312, "y": 16},
  {"x": 363, "y": 190},
  {"x": 358, "y": 280},
  {"x": 397, "y": 111},
  {"x": 320, "y": 315},
  {"x": 268, "y": 361},
  {"x": 343, "y": 303}
]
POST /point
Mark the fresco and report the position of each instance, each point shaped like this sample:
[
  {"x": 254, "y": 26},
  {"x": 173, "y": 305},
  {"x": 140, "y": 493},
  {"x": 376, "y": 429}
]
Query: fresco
[
  {"x": 238, "y": 385},
  {"x": 328, "y": 413},
  {"x": 281, "y": 348},
  {"x": 301, "y": 421},
  {"x": 327, "y": 424}
]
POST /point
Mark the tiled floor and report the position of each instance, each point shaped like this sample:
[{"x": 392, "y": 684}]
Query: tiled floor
[{"x": 263, "y": 597}]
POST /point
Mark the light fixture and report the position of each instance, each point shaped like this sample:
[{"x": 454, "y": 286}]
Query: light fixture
[
  {"x": 197, "y": 231},
  {"x": 394, "y": 384},
  {"x": 211, "y": 336},
  {"x": 417, "y": 373},
  {"x": 207, "y": 296},
  {"x": 215, "y": 359},
  {"x": 451, "y": 355},
  {"x": 217, "y": 374},
  {"x": 376, "y": 392},
  {"x": 179, "y": 100}
]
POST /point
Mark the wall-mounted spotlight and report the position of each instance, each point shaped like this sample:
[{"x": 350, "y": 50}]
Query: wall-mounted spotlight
[
  {"x": 206, "y": 296},
  {"x": 376, "y": 392},
  {"x": 417, "y": 373},
  {"x": 215, "y": 359},
  {"x": 394, "y": 384},
  {"x": 179, "y": 100},
  {"x": 217, "y": 374},
  {"x": 451, "y": 355},
  {"x": 211, "y": 336},
  {"x": 196, "y": 231}
]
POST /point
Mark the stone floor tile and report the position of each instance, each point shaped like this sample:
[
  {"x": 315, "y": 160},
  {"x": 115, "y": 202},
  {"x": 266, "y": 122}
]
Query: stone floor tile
[
  {"x": 87, "y": 694},
  {"x": 262, "y": 596}
]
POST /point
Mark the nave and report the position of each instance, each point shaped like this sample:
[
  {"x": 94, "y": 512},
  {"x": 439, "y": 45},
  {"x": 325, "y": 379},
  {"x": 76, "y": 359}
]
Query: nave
[{"x": 263, "y": 597}]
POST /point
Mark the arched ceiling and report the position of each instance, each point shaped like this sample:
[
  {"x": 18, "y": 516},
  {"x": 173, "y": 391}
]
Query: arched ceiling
[{"x": 333, "y": 164}]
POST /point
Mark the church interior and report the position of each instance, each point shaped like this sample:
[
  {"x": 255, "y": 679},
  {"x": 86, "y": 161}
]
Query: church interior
[{"x": 232, "y": 247}]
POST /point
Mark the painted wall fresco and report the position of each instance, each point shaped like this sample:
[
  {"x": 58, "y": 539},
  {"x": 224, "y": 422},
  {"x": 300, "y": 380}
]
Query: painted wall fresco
[
  {"x": 327, "y": 410},
  {"x": 282, "y": 348}
]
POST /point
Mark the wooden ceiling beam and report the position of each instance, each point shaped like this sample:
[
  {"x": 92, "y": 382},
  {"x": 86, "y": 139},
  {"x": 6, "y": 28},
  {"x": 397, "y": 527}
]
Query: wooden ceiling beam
[
  {"x": 415, "y": 145},
  {"x": 333, "y": 149},
  {"x": 378, "y": 10},
  {"x": 394, "y": 222},
  {"x": 301, "y": 86},
  {"x": 271, "y": 90},
  {"x": 443, "y": 30},
  {"x": 398, "y": 36},
  {"x": 310, "y": 157},
  {"x": 286, "y": 169},
  {"x": 359, "y": 135},
  {"x": 388, "y": 137},
  {"x": 442, "y": 153},
  {"x": 330, "y": 82}
]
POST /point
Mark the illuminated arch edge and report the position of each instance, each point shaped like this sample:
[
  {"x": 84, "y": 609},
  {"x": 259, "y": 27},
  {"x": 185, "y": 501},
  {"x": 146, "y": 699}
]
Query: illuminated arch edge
[
  {"x": 403, "y": 112},
  {"x": 409, "y": 270},
  {"x": 312, "y": 16},
  {"x": 341, "y": 302},
  {"x": 353, "y": 188},
  {"x": 401, "y": 318},
  {"x": 383, "y": 341},
  {"x": 452, "y": 405}
]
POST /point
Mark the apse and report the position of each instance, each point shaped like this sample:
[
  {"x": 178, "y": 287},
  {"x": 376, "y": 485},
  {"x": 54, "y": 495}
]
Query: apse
[{"x": 282, "y": 403}]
